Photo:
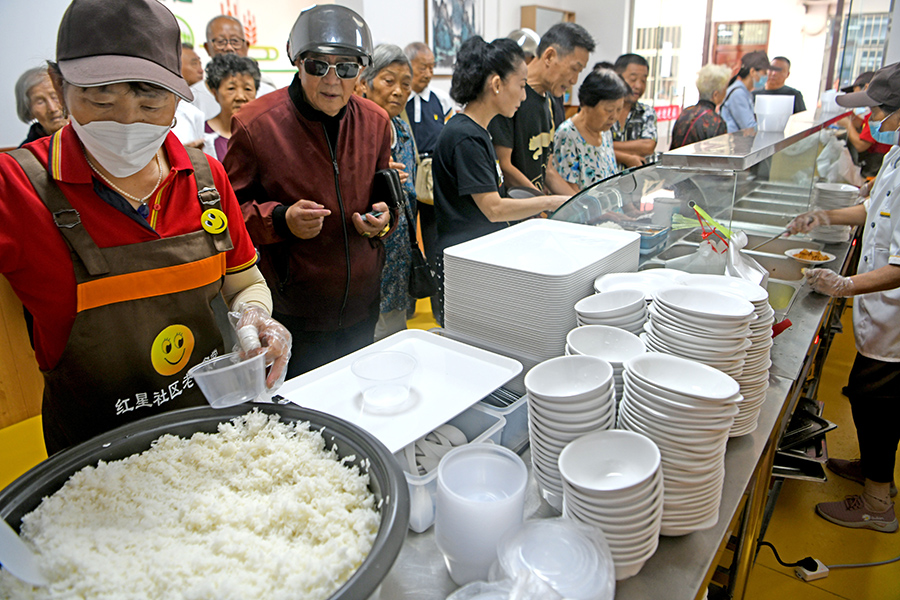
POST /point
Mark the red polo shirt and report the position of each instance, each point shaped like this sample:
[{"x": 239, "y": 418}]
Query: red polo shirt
[
  {"x": 866, "y": 136},
  {"x": 35, "y": 258}
]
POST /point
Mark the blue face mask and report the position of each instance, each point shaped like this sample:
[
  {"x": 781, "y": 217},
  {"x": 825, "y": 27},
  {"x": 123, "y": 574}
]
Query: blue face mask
[
  {"x": 861, "y": 111},
  {"x": 761, "y": 83},
  {"x": 891, "y": 138}
]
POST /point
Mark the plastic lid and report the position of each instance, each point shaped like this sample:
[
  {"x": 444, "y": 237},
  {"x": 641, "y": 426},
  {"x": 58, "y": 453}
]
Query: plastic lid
[{"x": 574, "y": 559}]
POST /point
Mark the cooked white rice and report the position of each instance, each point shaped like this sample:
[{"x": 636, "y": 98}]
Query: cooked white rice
[{"x": 259, "y": 510}]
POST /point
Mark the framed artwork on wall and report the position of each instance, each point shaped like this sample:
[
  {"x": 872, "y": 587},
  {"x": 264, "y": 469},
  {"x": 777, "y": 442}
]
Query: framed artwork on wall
[{"x": 448, "y": 23}]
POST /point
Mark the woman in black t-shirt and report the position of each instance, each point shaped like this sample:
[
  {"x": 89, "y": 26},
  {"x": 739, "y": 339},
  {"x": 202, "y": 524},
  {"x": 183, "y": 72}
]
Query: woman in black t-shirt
[{"x": 488, "y": 80}]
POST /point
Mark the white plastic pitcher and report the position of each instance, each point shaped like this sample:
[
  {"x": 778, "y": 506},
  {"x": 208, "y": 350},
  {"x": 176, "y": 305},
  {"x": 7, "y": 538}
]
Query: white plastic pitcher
[{"x": 773, "y": 112}]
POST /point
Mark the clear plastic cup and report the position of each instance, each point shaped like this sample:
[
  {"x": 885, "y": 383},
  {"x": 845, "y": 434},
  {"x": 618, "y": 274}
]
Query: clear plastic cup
[
  {"x": 384, "y": 379},
  {"x": 480, "y": 497},
  {"x": 228, "y": 380}
]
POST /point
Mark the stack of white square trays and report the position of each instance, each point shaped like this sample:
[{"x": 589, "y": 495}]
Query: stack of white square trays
[{"x": 515, "y": 288}]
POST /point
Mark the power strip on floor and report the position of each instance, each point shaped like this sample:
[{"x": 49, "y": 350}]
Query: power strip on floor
[{"x": 821, "y": 572}]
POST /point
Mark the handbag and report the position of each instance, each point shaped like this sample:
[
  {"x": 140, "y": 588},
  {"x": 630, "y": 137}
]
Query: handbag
[
  {"x": 424, "y": 181},
  {"x": 422, "y": 280}
]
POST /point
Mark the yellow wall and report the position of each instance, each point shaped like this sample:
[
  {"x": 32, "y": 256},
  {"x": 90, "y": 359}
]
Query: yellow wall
[{"x": 21, "y": 383}]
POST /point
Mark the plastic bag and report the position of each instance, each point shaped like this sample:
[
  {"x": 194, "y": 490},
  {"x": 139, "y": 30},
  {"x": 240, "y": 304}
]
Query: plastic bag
[
  {"x": 525, "y": 586},
  {"x": 740, "y": 264},
  {"x": 835, "y": 165},
  {"x": 709, "y": 258}
]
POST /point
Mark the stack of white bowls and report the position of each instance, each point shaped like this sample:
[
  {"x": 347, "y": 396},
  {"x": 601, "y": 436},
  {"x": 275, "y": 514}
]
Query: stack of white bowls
[
  {"x": 830, "y": 196},
  {"x": 754, "y": 379},
  {"x": 609, "y": 343},
  {"x": 568, "y": 396},
  {"x": 613, "y": 480},
  {"x": 687, "y": 409},
  {"x": 701, "y": 325},
  {"x": 624, "y": 308}
]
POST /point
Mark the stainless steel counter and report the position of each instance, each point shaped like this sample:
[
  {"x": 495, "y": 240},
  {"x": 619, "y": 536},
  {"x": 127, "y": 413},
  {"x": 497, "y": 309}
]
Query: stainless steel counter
[
  {"x": 681, "y": 565},
  {"x": 742, "y": 149}
]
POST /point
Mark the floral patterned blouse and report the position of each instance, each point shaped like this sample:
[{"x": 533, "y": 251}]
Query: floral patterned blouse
[
  {"x": 395, "y": 277},
  {"x": 578, "y": 161}
]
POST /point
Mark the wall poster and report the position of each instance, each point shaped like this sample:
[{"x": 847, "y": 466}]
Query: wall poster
[{"x": 448, "y": 24}]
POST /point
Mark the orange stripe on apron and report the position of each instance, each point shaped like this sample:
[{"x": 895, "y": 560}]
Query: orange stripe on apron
[{"x": 151, "y": 283}]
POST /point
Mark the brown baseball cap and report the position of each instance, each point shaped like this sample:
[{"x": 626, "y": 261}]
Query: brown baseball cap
[
  {"x": 861, "y": 80},
  {"x": 101, "y": 42},
  {"x": 884, "y": 89},
  {"x": 757, "y": 59}
]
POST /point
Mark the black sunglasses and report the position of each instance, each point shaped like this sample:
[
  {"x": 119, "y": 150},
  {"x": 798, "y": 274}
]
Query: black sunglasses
[{"x": 319, "y": 68}]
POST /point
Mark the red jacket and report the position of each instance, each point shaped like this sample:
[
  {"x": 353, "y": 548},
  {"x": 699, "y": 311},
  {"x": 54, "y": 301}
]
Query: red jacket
[{"x": 277, "y": 155}]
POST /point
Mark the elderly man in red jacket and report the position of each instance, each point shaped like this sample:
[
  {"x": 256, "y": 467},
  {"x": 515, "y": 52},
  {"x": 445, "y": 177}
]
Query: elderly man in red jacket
[{"x": 302, "y": 161}]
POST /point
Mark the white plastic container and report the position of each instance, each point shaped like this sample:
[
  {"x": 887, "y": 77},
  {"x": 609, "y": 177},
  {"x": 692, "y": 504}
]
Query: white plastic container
[
  {"x": 773, "y": 112},
  {"x": 480, "y": 426},
  {"x": 227, "y": 380}
]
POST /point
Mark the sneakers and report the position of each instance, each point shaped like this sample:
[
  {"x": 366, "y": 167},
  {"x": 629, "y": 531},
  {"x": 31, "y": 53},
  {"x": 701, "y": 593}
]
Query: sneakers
[
  {"x": 852, "y": 470},
  {"x": 852, "y": 512}
]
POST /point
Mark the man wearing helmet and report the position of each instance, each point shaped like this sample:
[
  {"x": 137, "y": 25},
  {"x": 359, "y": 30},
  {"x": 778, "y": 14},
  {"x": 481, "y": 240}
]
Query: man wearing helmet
[{"x": 303, "y": 161}]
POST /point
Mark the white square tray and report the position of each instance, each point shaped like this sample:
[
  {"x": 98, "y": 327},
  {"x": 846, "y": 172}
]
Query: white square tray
[
  {"x": 544, "y": 247},
  {"x": 450, "y": 377}
]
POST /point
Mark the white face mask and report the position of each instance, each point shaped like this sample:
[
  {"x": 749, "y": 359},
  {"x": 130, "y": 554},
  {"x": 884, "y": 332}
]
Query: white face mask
[{"x": 122, "y": 149}]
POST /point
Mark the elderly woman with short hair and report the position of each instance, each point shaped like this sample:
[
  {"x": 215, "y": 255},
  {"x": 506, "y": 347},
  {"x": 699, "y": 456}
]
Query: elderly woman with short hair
[
  {"x": 233, "y": 81},
  {"x": 701, "y": 121},
  {"x": 38, "y": 104},
  {"x": 583, "y": 145},
  {"x": 388, "y": 83}
]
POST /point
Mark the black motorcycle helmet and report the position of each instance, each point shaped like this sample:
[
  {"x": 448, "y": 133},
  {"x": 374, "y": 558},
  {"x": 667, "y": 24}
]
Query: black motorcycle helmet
[{"x": 330, "y": 29}]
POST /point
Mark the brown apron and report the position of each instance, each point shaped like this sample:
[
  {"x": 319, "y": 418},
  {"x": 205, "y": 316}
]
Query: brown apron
[{"x": 145, "y": 315}]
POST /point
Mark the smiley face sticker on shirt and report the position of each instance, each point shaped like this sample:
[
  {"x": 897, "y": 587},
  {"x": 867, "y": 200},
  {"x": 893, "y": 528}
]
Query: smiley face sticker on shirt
[
  {"x": 172, "y": 349},
  {"x": 213, "y": 221}
]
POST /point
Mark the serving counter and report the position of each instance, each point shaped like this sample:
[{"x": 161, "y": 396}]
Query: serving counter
[{"x": 750, "y": 164}]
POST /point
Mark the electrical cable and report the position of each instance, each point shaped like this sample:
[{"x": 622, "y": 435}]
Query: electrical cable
[
  {"x": 807, "y": 563},
  {"x": 872, "y": 564}
]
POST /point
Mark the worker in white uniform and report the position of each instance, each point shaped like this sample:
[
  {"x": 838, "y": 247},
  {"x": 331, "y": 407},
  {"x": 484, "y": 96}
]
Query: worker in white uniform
[{"x": 874, "y": 385}]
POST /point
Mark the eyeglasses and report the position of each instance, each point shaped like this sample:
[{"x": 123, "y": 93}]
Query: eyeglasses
[
  {"x": 222, "y": 43},
  {"x": 319, "y": 68}
]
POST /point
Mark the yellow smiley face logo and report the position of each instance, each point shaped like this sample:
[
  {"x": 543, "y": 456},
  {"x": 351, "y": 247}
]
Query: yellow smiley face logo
[
  {"x": 172, "y": 349},
  {"x": 214, "y": 221}
]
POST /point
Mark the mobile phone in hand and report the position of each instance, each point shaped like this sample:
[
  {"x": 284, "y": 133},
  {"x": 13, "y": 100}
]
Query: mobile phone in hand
[{"x": 374, "y": 214}]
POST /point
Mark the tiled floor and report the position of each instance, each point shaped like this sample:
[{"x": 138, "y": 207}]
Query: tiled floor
[{"x": 795, "y": 529}]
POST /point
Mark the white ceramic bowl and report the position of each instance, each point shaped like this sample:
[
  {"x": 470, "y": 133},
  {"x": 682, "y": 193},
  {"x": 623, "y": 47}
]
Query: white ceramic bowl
[
  {"x": 682, "y": 376},
  {"x": 705, "y": 303},
  {"x": 618, "y": 303},
  {"x": 609, "y": 343},
  {"x": 622, "y": 503},
  {"x": 586, "y": 405},
  {"x": 608, "y": 460},
  {"x": 712, "y": 323},
  {"x": 569, "y": 378},
  {"x": 735, "y": 285},
  {"x": 641, "y": 389}
]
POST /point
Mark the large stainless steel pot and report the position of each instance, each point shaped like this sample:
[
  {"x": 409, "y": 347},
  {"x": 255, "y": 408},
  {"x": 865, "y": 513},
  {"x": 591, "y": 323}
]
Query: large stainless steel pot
[{"x": 387, "y": 481}]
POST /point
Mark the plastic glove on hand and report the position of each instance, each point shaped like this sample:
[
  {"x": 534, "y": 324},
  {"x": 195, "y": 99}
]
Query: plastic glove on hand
[
  {"x": 826, "y": 281},
  {"x": 808, "y": 221},
  {"x": 258, "y": 332}
]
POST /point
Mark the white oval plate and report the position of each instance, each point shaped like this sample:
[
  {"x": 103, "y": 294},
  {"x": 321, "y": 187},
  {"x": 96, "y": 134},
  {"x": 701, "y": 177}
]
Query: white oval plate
[{"x": 794, "y": 251}]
